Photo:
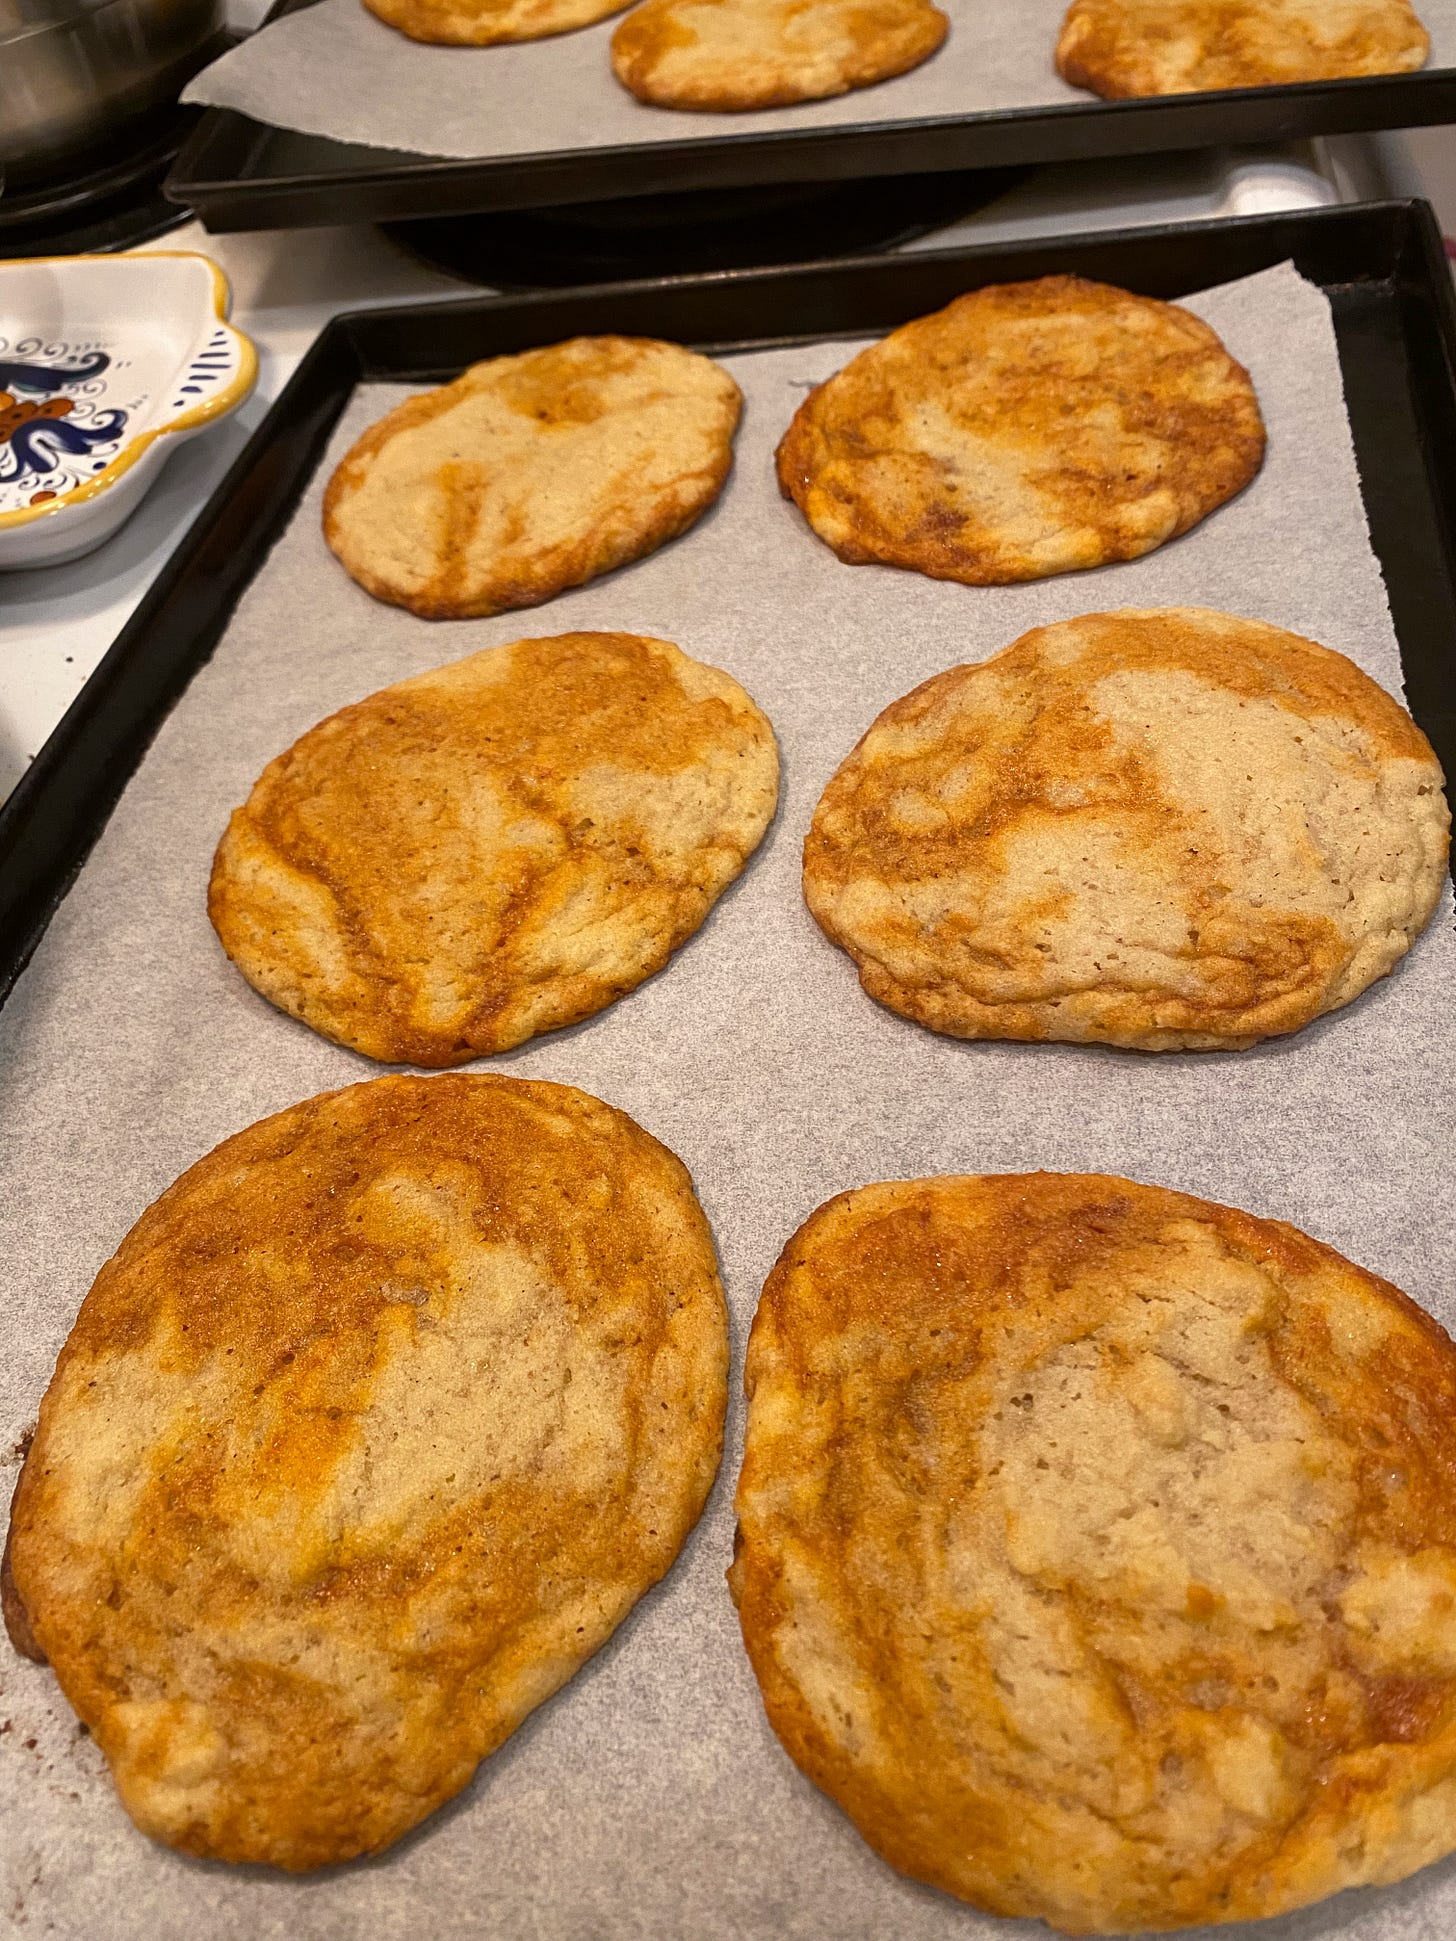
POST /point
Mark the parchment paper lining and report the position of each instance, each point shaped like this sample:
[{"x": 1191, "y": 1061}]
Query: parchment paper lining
[
  {"x": 650, "y": 1798},
  {"x": 335, "y": 70}
]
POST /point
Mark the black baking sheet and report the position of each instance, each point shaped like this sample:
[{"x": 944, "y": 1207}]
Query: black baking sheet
[
  {"x": 1380, "y": 264},
  {"x": 242, "y": 174}
]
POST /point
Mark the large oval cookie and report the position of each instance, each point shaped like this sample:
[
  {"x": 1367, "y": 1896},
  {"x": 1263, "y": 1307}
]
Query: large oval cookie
[
  {"x": 1097, "y": 1549},
  {"x": 736, "y": 54},
  {"x": 1170, "y": 830},
  {"x": 373, "y": 1430},
  {"x": 530, "y": 474},
  {"x": 1134, "y": 47},
  {"x": 494, "y": 848},
  {"x": 485, "y": 23},
  {"x": 1024, "y": 430}
]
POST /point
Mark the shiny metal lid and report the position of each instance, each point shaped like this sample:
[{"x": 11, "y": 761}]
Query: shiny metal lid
[{"x": 21, "y": 18}]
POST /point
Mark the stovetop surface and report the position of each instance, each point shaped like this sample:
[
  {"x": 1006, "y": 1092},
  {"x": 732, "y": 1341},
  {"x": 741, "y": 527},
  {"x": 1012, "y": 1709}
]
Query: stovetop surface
[
  {"x": 115, "y": 202},
  {"x": 699, "y": 230}
]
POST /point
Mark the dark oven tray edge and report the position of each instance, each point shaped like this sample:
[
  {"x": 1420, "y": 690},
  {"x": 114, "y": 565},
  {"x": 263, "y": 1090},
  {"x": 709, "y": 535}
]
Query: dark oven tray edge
[{"x": 237, "y": 173}]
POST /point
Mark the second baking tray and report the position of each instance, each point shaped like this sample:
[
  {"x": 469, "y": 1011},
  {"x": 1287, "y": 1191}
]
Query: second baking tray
[
  {"x": 238, "y": 173},
  {"x": 1381, "y": 266}
]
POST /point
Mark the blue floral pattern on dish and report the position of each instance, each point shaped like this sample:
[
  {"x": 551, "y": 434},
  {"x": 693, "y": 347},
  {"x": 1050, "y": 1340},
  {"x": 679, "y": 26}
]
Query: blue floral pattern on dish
[
  {"x": 214, "y": 362},
  {"x": 55, "y": 430},
  {"x": 46, "y": 378}
]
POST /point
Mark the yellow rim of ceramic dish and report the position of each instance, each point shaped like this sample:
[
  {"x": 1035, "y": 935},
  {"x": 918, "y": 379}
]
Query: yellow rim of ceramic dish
[{"x": 194, "y": 415}]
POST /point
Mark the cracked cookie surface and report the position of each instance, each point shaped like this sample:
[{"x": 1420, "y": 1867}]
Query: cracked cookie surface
[
  {"x": 1168, "y": 829},
  {"x": 531, "y": 474},
  {"x": 375, "y": 1427},
  {"x": 720, "y": 55},
  {"x": 486, "y": 23},
  {"x": 494, "y": 848},
  {"x": 1118, "y": 48},
  {"x": 1097, "y": 1550},
  {"x": 1026, "y": 429}
]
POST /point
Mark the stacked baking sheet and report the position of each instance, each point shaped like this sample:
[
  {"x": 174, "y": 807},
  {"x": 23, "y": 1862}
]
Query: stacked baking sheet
[{"x": 331, "y": 115}]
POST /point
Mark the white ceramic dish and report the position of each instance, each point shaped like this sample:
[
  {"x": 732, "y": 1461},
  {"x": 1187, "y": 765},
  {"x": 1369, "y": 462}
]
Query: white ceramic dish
[{"x": 106, "y": 363}]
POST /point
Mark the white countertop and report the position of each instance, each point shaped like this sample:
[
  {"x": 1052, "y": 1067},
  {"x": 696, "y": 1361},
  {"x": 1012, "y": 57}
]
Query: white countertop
[{"x": 57, "y": 622}]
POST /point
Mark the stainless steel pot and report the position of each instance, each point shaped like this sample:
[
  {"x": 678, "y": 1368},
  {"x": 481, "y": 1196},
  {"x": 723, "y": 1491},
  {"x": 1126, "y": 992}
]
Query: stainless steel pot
[{"x": 74, "y": 74}]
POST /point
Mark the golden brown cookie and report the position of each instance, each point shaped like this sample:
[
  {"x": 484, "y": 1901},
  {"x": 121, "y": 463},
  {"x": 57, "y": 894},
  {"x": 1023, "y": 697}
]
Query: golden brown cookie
[
  {"x": 373, "y": 1430},
  {"x": 1132, "y": 47},
  {"x": 735, "y": 54},
  {"x": 494, "y": 848},
  {"x": 1024, "y": 430},
  {"x": 1097, "y": 1549},
  {"x": 530, "y": 474},
  {"x": 1173, "y": 830},
  {"x": 485, "y": 23}
]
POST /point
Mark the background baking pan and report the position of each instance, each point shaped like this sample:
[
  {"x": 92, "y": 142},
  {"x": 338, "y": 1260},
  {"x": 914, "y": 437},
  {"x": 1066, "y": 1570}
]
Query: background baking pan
[
  {"x": 1380, "y": 264},
  {"x": 242, "y": 174}
]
